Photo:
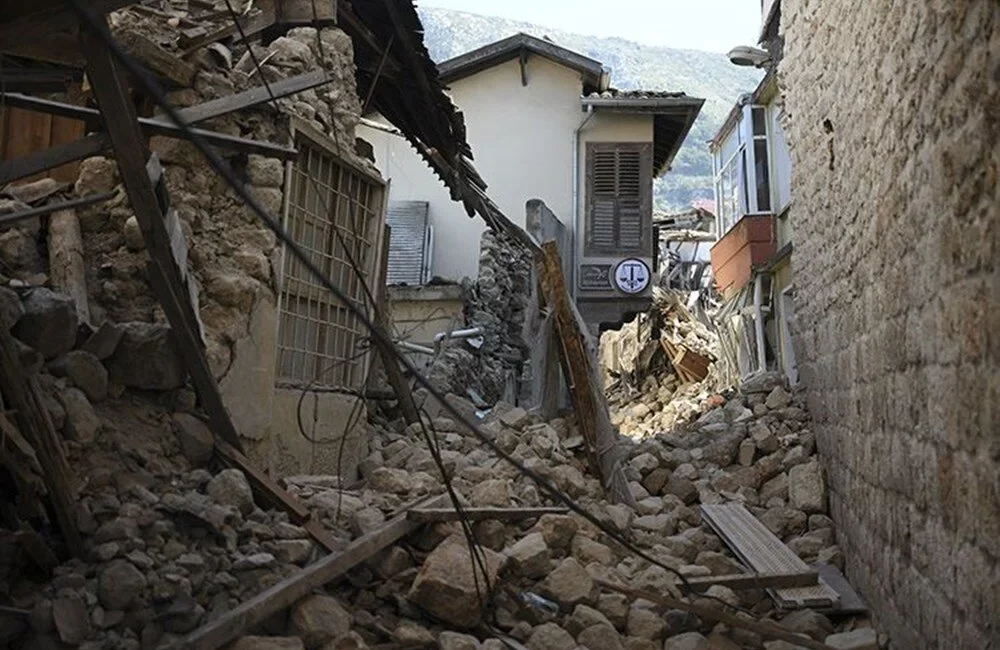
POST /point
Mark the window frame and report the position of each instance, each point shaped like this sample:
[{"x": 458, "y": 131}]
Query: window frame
[
  {"x": 303, "y": 134},
  {"x": 746, "y": 171},
  {"x": 645, "y": 247}
]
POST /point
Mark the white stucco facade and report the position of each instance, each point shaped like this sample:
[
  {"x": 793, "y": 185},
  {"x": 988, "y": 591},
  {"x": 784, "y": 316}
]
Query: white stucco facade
[{"x": 524, "y": 138}]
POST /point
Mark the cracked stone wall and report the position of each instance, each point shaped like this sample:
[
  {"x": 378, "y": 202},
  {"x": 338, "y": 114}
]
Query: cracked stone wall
[
  {"x": 895, "y": 143},
  {"x": 234, "y": 258}
]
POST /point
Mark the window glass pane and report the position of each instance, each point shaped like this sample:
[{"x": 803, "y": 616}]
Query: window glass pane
[
  {"x": 759, "y": 121},
  {"x": 762, "y": 171}
]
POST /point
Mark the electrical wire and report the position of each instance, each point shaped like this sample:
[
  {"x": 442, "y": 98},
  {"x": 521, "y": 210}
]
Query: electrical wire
[{"x": 92, "y": 23}]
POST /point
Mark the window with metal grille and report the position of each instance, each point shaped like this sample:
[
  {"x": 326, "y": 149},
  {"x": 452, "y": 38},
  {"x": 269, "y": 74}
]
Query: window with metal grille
[
  {"x": 619, "y": 198},
  {"x": 334, "y": 214}
]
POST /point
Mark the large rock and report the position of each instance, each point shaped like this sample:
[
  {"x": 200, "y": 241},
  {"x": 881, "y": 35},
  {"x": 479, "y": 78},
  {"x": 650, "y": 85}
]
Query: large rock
[
  {"x": 318, "y": 620},
  {"x": 550, "y": 637},
  {"x": 448, "y": 640},
  {"x": 446, "y": 585},
  {"x": 569, "y": 584},
  {"x": 231, "y": 488},
  {"x": 195, "y": 438},
  {"x": 807, "y": 488},
  {"x": 148, "y": 358},
  {"x": 97, "y": 175},
  {"x": 267, "y": 643},
  {"x": 558, "y": 530},
  {"x": 778, "y": 399},
  {"x": 644, "y": 623},
  {"x": 82, "y": 422},
  {"x": 49, "y": 323},
  {"x": 85, "y": 371},
  {"x": 119, "y": 584},
  {"x": 11, "y": 308}
]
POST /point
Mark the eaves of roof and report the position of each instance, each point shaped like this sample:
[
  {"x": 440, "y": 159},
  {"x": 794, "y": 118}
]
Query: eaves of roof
[{"x": 594, "y": 75}]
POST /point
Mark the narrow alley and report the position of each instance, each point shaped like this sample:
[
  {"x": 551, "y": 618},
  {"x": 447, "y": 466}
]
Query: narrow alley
[{"x": 358, "y": 325}]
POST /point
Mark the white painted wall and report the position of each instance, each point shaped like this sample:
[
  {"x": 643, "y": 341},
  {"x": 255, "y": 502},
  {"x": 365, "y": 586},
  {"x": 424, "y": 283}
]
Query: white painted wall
[{"x": 523, "y": 141}]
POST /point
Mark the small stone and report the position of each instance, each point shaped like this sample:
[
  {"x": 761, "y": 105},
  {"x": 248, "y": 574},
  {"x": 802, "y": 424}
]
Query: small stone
[
  {"x": 587, "y": 550},
  {"x": 658, "y": 524},
  {"x": 600, "y": 637},
  {"x": 293, "y": 551},
  {"x": 103, "y": 343},
  {"x": 267, "y": 643},
  {"x": 448, "y": 640},
  {"x": 747, "y": 452},
  {"x": 82, "y": 422},
  {"x": 550, "y": 636},
  {"x": 655, "y": 481},
  {"x": 686, "y": 641},
  {"x": 683, "y": 489},
  {"x": 515, "y": 418},
  {"x": 530, "y": 556},
  {"x": 584, "y": 617},
  {"x": 492, "y": 493},
  {"x": 807, "y": 488},
  {"x": 778, "y": 398},
  {"x": 266, "y": 172},
  {"x": 231, "y": 488},
  {"x": 366, "y": 520},
  {"x": 387, "y": 479},
  {"x": 569, "y": 584},
  {"x": 11, "y": 309},
  {"x": 49, "y": 323},
  {"x": 808, "y": 622},
  {"x": 195, "y": 438},
  {"x": 255, "y": 561},
  {"x": 393, "y": 562},
  {"x": 134, "y": 240},
  {"x": 147, "y": 358},
  {"x": 318, "y": 619},
  {"x": 860, "y": 639},
  {"x": 558, "y": 530},
  {"x": 615, "y": 607},
  {"x": 645, "y": 463},
  {"x": 71, "y": 619},
  {"x": 119, "y": 584},
  {"x": 644, "y": 623},
  {"x": 97, "y": 175}
]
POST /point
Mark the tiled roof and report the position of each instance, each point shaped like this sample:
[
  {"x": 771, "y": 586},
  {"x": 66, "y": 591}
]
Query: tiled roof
[{"x": 614, "y": 93}]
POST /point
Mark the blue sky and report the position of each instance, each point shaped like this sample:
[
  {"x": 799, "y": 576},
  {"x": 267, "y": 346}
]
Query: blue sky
[{"x": 712, "y": 25}]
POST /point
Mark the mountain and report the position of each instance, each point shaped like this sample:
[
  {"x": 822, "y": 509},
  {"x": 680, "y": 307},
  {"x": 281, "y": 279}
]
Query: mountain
[{"x": 633, "y": 66}]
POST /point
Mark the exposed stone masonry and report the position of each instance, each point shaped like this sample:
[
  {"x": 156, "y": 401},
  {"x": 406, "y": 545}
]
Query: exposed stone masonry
[{"x": 895, "y": 147}]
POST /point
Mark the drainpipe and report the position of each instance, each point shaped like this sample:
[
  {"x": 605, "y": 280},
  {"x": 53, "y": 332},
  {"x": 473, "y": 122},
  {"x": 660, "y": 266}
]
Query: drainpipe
[{"x": 576, "y": 190}]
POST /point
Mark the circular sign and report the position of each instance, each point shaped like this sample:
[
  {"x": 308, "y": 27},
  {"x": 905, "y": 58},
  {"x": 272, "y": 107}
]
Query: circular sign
[{"x": 632, "y": 276}]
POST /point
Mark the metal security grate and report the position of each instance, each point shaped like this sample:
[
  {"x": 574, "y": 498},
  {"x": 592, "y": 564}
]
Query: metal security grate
[{"x": 333, "y": 213}]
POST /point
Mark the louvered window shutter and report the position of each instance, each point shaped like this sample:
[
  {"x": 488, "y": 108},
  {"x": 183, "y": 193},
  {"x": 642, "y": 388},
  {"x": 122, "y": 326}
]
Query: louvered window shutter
[
  {"x": 619, "y": 193},
  {"x": 407, "y": 242}
]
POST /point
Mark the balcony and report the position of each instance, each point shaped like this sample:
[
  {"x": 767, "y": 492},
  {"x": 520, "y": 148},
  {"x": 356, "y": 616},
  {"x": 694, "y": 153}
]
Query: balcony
[{"x": 750, "y": 244}]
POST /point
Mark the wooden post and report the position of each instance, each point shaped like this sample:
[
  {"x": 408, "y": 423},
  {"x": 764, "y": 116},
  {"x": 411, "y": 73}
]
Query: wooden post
[
  {"x": 69, "y": 273},
  {"x": 579, "y": 365},
  {"x": 165, "y": 277},
  {"x": 392, "y": 372},
  {"x": 21, "y": 393}
]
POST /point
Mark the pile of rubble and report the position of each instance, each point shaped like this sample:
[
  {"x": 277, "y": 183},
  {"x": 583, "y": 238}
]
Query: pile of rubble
[{"x": 661, "y": 368}]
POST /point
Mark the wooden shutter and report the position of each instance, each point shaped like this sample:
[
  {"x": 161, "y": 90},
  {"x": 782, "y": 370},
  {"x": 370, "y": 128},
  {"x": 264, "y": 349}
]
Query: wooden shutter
[
  {"x": 619, "y": 195},
  {"x": 407, "y": 242}
]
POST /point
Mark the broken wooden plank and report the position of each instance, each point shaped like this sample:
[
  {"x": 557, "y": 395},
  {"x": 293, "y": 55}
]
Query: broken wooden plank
[
  {"x": 270, "y": 493},
  {"x": 154, "y": 126},
  {"x": 756, "y": 580},
  {"x": 156, "y": 58},
  {"x": 46, "y": 159},
  {"x": 762, "y": 551},
  {"x": 66, "y": 260},
  {"x": 394, "y": 375},
  {"x": 580, "y": 369},
  {"x": 164, "y": 277},
  {"x": 250, "y": 98},
  {"x": 44, "y": 210},
  {"x": 22, "y": 394},
  {"x": 707, "y": 613},
  {"x": 237, "y": 622},
  {"x": 423, "y": 515}
]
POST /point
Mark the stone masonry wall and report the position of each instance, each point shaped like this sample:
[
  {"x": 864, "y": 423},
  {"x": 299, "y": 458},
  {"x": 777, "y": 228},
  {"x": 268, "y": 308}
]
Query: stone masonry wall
[{"x": 895, "y": 143}]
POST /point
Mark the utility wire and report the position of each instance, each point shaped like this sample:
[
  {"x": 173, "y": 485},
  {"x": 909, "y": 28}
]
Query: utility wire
[{"x": 96, "y": 25}]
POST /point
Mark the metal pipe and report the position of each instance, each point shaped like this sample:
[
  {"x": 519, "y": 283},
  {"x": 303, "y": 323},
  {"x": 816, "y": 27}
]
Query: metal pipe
[
  {"x": 413, "y": 347},
  {"x": 55, "y": 207},
  {"x": 758, "y": 317}
]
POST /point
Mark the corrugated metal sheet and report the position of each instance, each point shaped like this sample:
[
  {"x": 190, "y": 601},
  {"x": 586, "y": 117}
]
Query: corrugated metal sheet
[{"x": 407, "y": 242}]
